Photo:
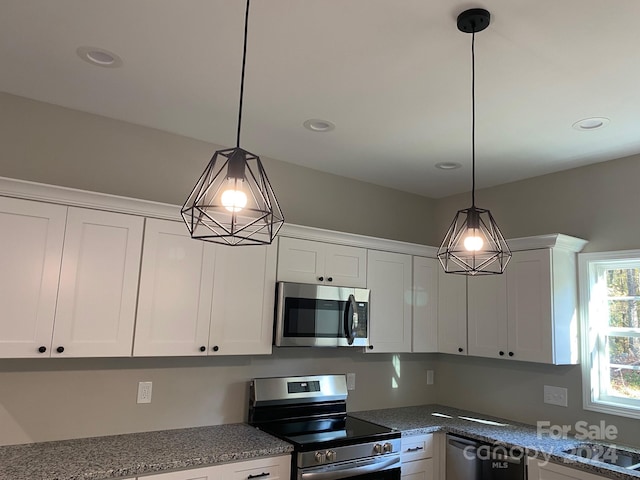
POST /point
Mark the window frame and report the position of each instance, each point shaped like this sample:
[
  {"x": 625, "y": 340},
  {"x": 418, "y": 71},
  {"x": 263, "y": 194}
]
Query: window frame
[{"x": 590, "y": 266}]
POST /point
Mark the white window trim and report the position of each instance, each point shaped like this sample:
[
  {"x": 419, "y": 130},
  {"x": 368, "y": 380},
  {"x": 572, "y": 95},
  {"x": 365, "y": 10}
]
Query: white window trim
[{"x": 588, "y": 264}]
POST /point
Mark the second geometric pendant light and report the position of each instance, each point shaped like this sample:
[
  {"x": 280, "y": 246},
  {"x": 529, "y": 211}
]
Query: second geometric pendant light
[{"x": 474, "y": 245}]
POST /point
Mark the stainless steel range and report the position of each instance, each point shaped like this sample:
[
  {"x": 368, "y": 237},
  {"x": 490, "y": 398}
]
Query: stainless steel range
[{"x": 311, "y": 413}]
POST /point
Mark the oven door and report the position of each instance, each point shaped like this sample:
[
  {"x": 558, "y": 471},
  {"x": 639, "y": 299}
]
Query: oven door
[
  {"x": 376, "y": 468},
  {"x": 321, "y": 316}
]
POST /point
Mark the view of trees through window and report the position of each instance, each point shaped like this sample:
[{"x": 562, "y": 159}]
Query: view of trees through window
[{"x": 623, "y": 332}]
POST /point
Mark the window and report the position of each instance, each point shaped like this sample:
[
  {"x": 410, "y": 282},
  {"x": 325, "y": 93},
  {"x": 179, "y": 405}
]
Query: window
[{"x": 610, "y": 311}]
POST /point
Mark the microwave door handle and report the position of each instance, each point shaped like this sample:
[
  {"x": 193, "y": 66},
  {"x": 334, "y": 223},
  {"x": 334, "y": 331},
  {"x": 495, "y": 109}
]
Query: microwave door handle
[{"x": 351, "y": 320}]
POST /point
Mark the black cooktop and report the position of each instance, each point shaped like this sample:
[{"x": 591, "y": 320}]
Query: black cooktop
[{"x": 311, "y": 434}]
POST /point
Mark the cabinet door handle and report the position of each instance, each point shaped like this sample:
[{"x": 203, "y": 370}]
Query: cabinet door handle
[
  {"x": 414, "y": 449},
  {"x": 321, "y": 279},
  {"x": 42, "y": 349},
  {"x": 511, "y": 354},
  {"x": 203, "y": 348},
  {"x": 60, "y": 349},
  {"x": 329, "y": 279},
  {"x": 216, "y": 348},
  {"x": 259, "y": 475},
  {"x": 501, "y": 353},
  {"x": 460, "y": 349}
]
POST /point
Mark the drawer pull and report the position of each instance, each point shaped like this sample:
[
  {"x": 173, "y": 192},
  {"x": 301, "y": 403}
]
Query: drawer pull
[
  {"x": 260, "y": 475},
  {"x": 414, "y": 449}
]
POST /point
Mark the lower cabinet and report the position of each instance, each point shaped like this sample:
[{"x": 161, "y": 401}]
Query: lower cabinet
[
  {"x": 418, "y": 458},
  {"x": 270, "y": 468},
  {"x": 542, "y": 470}
]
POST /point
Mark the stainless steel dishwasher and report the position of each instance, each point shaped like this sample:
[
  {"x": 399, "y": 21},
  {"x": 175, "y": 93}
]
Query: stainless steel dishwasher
[{"x": 468, "y": 459}]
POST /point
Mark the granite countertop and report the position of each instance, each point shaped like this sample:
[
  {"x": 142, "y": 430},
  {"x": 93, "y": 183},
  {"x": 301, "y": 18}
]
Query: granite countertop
[
  {"x": 122, "y": 456},
  {"x": 434, "y": 418}
]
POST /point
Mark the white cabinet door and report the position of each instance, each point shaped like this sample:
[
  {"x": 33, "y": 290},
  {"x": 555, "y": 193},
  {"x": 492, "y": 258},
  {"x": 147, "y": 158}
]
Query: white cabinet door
[
  {"x": 529, "y": 293},
  {"x": 345, "y": 266},
  {"x": 417, "y": 470},
  {"x": 307, "y": 261},
  {"x": 271, "y": 468},
  {"x": 542, "y": 470},
  {"x": 176, "y": 292},
  {"x": 389, "y": 279},
  {"x": 425, "y": 304},
  {"x": 31, "y": 239},
  {"x": 206, "y": 473},
  {"x": 243, "y": 300},
  {"x": 452, "y": 313},
  {"x": 487, "y": 315},
  {"x": 98, "y": 284}
]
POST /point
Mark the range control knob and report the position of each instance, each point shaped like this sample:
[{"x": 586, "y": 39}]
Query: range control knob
[
  {"x": 387, "y": 448},
  {"x": 331, "y": 456},
  {"x": 320, "y": 457},
  {"x": 377, "y": 448}
]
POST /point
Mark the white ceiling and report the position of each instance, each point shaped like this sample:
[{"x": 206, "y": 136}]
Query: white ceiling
[{"x": 394, "y": 77}]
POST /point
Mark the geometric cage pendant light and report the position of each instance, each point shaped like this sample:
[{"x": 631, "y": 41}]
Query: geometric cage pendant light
[
  {"x": 474, "y": 245},
  {"x": 233, "y": 202}
]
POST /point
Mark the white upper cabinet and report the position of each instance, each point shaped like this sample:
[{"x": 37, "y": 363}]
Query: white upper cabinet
[
  {"x": 543, "y": 306},
  {"x": 307, "y": 261},
  {"x": 199, "y": 298},
  {"x": 176, "y": 292},
  {"x": 96, "y": 307},
  {"x": 31, "y": 236},
  {"x": 487, "y": 316},
  {"x": 531, "y": 312},
  {"x": 389, "y": 279},
  {"x": 425, "y": 304},
  {"x": 452, "y": 313},
  {"x": 243, "y": 300}
]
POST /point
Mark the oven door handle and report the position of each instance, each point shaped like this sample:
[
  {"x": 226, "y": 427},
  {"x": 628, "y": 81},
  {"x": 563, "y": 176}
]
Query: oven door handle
[
  {"x": 350, "y": 320},
  {"x": 350, "y": 472}
]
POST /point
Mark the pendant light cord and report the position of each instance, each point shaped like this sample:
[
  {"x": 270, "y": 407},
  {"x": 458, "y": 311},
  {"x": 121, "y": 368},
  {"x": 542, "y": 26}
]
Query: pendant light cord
[
  {"x": 473, "y": 119},
  {"x": 244, "y": 61}
]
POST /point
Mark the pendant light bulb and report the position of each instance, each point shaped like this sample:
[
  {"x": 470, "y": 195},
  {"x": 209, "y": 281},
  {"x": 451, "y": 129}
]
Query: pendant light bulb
[
  {"x": 473, "y": 241},
  {"x": 233, "y": 198}
]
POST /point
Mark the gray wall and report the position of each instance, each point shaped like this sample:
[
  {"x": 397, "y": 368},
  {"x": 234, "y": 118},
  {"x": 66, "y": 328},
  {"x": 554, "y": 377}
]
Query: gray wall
[
  {"x": 598, "y": 203},
  {"x": 43, "y": 143},
  {"x": 57, "y": 399},
  {"x": 65, "y": 398}
]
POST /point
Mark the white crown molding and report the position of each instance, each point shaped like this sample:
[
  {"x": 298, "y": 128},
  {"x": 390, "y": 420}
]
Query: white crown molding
[
  {"x": 553, "y": 240},
  {"x": 355, "y": 240},
  {"x": 10, "y": 187}
]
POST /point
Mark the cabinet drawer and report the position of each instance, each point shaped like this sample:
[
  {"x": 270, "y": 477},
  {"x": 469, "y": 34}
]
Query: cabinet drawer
[
  {"x": 277, "y": 468},
  {"x": 418, "y": 470},
  {"x": 417, "y": 447}
]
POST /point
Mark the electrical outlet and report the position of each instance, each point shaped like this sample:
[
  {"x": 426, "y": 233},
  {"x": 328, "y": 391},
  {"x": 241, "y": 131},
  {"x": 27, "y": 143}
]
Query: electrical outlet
[
  {"x": 144, "y": 392},
  {"x": 429, "y": 377},
  {"x": 351, "y": 381},
  {"x": 556, "y": 396}
]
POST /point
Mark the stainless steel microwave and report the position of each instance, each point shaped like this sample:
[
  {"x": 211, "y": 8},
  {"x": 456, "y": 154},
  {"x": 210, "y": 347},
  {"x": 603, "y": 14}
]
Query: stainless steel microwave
[{"x": 321, "y": 316}]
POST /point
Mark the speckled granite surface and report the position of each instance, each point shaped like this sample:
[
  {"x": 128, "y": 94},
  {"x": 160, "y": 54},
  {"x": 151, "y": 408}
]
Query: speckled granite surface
[
  {"x": 136, "y": 454},
  {"x": 433, "y": 418}
]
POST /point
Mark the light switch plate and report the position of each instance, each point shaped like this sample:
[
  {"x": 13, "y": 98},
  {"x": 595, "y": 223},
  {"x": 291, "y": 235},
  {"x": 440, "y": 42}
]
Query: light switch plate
[
  {"x": 556, "y": 396},
  {"x": 144, "y": 392}
]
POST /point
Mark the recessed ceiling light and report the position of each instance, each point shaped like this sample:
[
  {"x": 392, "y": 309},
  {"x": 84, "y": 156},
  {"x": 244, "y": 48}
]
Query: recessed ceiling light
[
  {"x": 448, "y": 165},
  {"x": 99, "y": 56},
  {"x": 592, "y": 123},
  {"x": 317, "y": 125}
]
